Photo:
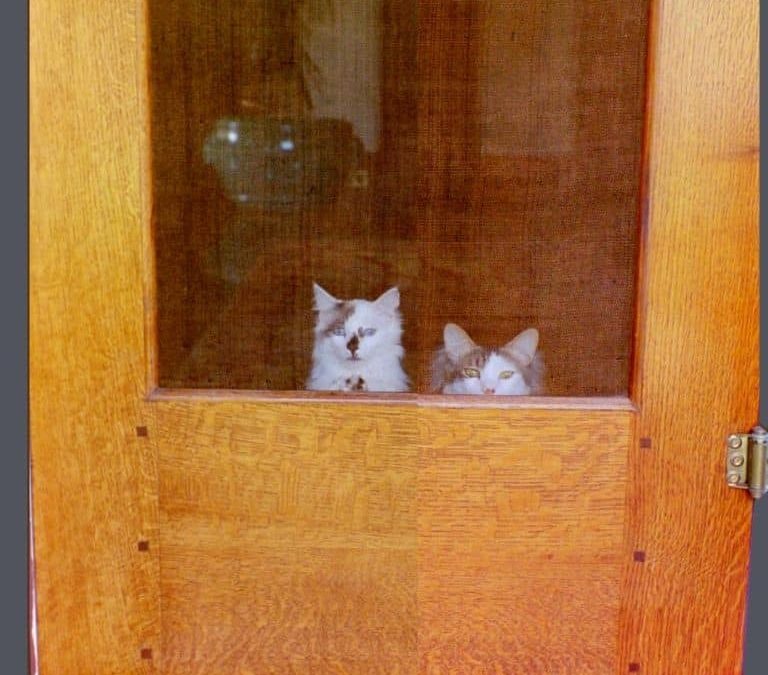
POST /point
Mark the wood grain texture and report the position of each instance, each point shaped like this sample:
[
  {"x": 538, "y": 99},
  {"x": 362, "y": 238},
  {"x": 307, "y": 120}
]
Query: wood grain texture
[
  {"x": 94, "y": 489},
  {"x": 388, "y": 540},
  {"x": 696, "y": 376},
  {"x": 403, "y": 536},
  {"x": 520, "y": 529},
  {"x": 288, "y": 538}
]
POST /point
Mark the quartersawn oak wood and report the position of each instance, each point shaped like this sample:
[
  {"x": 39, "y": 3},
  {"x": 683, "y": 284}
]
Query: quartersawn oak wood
[
  {"x": 423, "y": 400},
  {"x": 519, "y": 520},
  {"x": 94, "y": 490},
  {"x": 364, "y": 539},
  {"x": 288, "y": 538},
  {"x": 697, "y": 373},
  {"x": 99, "y": 487}
]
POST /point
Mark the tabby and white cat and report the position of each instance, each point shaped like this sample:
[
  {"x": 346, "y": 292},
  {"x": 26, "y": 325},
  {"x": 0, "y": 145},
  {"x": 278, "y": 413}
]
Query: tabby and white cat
[
  {"x": 463, "y": 367},
  {"x": 357, "y": 344}
]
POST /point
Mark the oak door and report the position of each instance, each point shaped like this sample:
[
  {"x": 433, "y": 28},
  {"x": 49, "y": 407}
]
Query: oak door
[{"x": 190, "y": 519}]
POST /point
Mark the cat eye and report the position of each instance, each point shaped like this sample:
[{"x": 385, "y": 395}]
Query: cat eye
[
  {"x": 506, "y": 374},
  {"x": 368, "y": 332},
  {"x": 471, "y": 372},
  {"x": 339, "y": 331}
]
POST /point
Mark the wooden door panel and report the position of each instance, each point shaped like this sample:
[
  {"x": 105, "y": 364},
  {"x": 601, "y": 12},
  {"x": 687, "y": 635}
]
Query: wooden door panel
[
  {"x": 519, "y": 617},
  {"x": 521, "y": 527},
  {"x": 308, "y": 537},
  {"x": 232, "y": 606},
  {"x": 288, "y": 537}
]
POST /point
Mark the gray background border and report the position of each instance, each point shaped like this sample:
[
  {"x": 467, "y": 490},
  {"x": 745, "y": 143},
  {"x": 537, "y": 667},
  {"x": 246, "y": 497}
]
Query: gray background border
[
  {"x": 756, "y": 643},
  {"x": 13, "y": 310}
]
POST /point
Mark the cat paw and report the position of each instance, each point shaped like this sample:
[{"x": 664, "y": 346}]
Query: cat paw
[{"x": 355, "y": 384}]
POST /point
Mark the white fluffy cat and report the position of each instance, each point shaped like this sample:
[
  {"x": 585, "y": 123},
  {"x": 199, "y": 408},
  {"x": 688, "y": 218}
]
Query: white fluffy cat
[
  {"x": 357, "y": 344},
  {"x": 463, "y": 367}
]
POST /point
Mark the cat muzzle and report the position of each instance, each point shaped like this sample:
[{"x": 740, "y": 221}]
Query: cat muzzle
[{"x": 353, "y": 346}]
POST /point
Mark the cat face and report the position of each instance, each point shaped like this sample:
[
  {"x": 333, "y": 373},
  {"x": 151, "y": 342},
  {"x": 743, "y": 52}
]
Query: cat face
[
  {"x": 507, "y": 371},
  {"x": 357, "y": 330}
]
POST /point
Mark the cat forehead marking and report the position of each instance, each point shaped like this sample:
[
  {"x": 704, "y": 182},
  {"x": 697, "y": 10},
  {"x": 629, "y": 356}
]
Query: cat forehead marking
[
  {"x": 475, "y": 359},
  {"x": 337, "y": 317}
]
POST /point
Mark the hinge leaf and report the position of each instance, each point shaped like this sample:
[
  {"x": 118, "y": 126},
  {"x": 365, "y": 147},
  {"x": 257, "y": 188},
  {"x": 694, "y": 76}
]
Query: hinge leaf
[{"x": 745, "y": 461}]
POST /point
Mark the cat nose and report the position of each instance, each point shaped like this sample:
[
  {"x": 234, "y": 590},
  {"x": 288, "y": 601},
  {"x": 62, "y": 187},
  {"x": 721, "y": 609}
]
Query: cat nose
[
  {"x": 489, "y": 391},
  {"x": 353, "y": 344}
]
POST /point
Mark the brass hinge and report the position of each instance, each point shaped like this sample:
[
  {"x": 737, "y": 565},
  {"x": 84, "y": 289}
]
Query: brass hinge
[{"x": 746, "y": 458}]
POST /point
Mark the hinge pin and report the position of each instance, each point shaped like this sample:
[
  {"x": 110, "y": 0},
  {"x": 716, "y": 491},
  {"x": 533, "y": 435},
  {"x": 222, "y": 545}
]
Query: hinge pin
[{"x": 757, "y": 458}]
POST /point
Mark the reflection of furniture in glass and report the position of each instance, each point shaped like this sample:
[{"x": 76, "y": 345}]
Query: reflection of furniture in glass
[
  {"x": 302, "y": 104},
  {"x": 272, "y": 162}
]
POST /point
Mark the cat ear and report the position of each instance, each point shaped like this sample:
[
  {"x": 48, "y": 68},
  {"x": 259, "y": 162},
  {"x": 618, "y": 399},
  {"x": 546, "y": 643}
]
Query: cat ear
[
  {"x": 457, "y": 342},
  {"x": 389, "y": 301},
  {"x": 323, "y": 299},
  {"x": 523, "y": 346}
]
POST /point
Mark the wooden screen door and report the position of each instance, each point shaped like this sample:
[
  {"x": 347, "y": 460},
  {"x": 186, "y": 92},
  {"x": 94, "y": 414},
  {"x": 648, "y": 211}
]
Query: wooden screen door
[{"x": 196, "y": 512}]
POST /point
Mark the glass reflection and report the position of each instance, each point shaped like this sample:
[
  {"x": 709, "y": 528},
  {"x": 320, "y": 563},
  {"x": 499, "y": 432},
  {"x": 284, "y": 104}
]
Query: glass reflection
[
  {"x": 481, "y": 155},
  {"x": 272, "y": 162},
  {"x": 308, "y": 106}
]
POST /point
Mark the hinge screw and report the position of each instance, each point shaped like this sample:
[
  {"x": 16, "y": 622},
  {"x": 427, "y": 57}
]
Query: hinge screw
[
  {"x": 733, "y": 478},
  {"x": 734, "y": 442},
  {"x": 737, "y": 460}
]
